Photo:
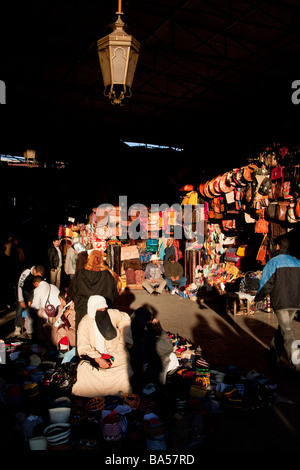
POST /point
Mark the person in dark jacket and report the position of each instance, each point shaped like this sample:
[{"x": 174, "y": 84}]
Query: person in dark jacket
[
  {"x": 91, "y": 280},
  {"x": 55, "y": 262},
  {"x": 174, "y": 275},
  {"x": 281, "y": 280}
]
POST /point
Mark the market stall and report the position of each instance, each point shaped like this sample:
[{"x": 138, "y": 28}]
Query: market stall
[
  {"x": 246, "y": 209},
  {"x": 242, "y": 213}
]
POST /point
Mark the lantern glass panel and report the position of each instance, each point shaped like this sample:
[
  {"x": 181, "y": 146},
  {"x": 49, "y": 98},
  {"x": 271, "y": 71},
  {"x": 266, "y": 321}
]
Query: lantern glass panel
[
  {"x": 105, "y": 66},
  {"x": 131, "y": 67},
  {"x": 119, "y": 65}
]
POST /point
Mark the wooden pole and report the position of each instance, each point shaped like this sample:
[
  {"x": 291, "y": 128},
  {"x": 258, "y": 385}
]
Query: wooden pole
[{"x": 119, "y": 12}]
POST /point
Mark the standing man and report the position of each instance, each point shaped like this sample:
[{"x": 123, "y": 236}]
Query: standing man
[
  {"x": 281, "y": 279},
  {"x": 174, "y": 275},
  {"x": 25, "y": 293},
  {"x": 154, "y": 282},
  {"x": 71, "y": 258},
  {"x": 55, "y": 262}
]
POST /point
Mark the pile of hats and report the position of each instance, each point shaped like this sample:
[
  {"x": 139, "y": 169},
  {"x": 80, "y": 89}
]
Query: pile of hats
[
  {"x": 169, "y": 416},
  {"x": 51, "y": 430},
  {"x": 24, "y": 376},
  {"x": 108, "y": 417},
  {"x": 155, "y": 432},
  {"x": 218, "y": 387},
  {"x": 24, "y": 390}
]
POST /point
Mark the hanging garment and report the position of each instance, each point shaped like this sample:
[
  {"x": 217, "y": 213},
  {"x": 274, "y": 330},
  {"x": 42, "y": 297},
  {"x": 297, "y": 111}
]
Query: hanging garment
[{"x": 114, "y": 257}]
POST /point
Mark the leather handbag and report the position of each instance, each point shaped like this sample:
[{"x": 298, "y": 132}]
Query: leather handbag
[
  {"x": 281, "y": 210},
  {"x": 262, "y": 225},
  {"x": 49, "y": 308},
  {"x": 271, "y": 210},
  {"x": 262, "y": 252},
  {"x": 265, "y": 187},
  {"x": 277, "y": 173},
  {"x": 291, "y": 217},
  {"x": 248, "y": 194},
  {"x": 297, "y": 208}
]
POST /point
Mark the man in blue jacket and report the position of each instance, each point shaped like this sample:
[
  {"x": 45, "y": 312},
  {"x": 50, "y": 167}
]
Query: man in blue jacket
[{"x": 281, "y": 279}]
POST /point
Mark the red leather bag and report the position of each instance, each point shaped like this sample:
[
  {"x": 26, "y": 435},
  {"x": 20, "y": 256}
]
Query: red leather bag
[
  {"x": 297, "y": 208},
  {"x": 277, "y": 173}
]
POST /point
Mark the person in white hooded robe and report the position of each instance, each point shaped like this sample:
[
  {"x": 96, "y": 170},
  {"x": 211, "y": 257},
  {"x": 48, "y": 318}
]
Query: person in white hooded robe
[{"x": 103, "y": 332}]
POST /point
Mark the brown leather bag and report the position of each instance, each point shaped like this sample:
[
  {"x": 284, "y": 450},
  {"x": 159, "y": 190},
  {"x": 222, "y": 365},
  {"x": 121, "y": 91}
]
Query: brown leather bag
[
  {"x": 271, "y": 210},
  {"x": 248, "y": 193},
  {"x": 281, "y": 210}
]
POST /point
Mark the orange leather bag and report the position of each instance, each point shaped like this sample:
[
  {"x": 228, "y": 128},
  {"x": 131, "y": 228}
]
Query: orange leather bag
[{"x": 262, "y": 225}]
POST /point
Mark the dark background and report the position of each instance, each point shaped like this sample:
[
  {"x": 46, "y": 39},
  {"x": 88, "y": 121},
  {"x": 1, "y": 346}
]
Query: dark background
[{"x": 213, "y": 78}]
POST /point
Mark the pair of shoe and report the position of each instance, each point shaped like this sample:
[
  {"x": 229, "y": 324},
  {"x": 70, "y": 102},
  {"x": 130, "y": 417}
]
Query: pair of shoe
[
  {"x": 16, "y": 333},
  {"x": 26, "y": 335},
  {"x": 174, "y": 291}
]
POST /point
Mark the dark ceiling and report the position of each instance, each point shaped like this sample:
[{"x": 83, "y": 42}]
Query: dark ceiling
[{"x": 213, "y": 77}]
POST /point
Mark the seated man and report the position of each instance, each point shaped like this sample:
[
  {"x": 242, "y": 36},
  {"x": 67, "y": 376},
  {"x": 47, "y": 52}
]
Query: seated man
[
  {"x": 102, "y": 340},
  {"x": 174, "y": 275},
  {"x": 154, "y": 282}
]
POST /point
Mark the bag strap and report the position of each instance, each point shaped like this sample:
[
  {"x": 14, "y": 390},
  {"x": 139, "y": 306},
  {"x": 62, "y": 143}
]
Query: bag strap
[{"x": 47, "y": 301}]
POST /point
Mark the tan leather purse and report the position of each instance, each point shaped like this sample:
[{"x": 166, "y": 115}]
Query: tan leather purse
[{"x": 281, "y": 210}]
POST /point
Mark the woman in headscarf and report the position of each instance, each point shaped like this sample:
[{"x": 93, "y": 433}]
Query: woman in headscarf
[
  {"x": 103, "y": 332},
  {"x": 92, "y": 280}
]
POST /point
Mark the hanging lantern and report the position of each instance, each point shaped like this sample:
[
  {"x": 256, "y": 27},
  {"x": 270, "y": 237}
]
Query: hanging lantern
[
  {"x": 268, "y": 304},
  {"x": 118, "y": 55}
]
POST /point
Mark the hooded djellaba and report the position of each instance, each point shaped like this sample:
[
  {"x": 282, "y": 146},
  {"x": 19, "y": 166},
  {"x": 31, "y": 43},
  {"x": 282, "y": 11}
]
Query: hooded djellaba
[
  {"x": 92, "y": 280},
  {"x": 103, "y": 332}
]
